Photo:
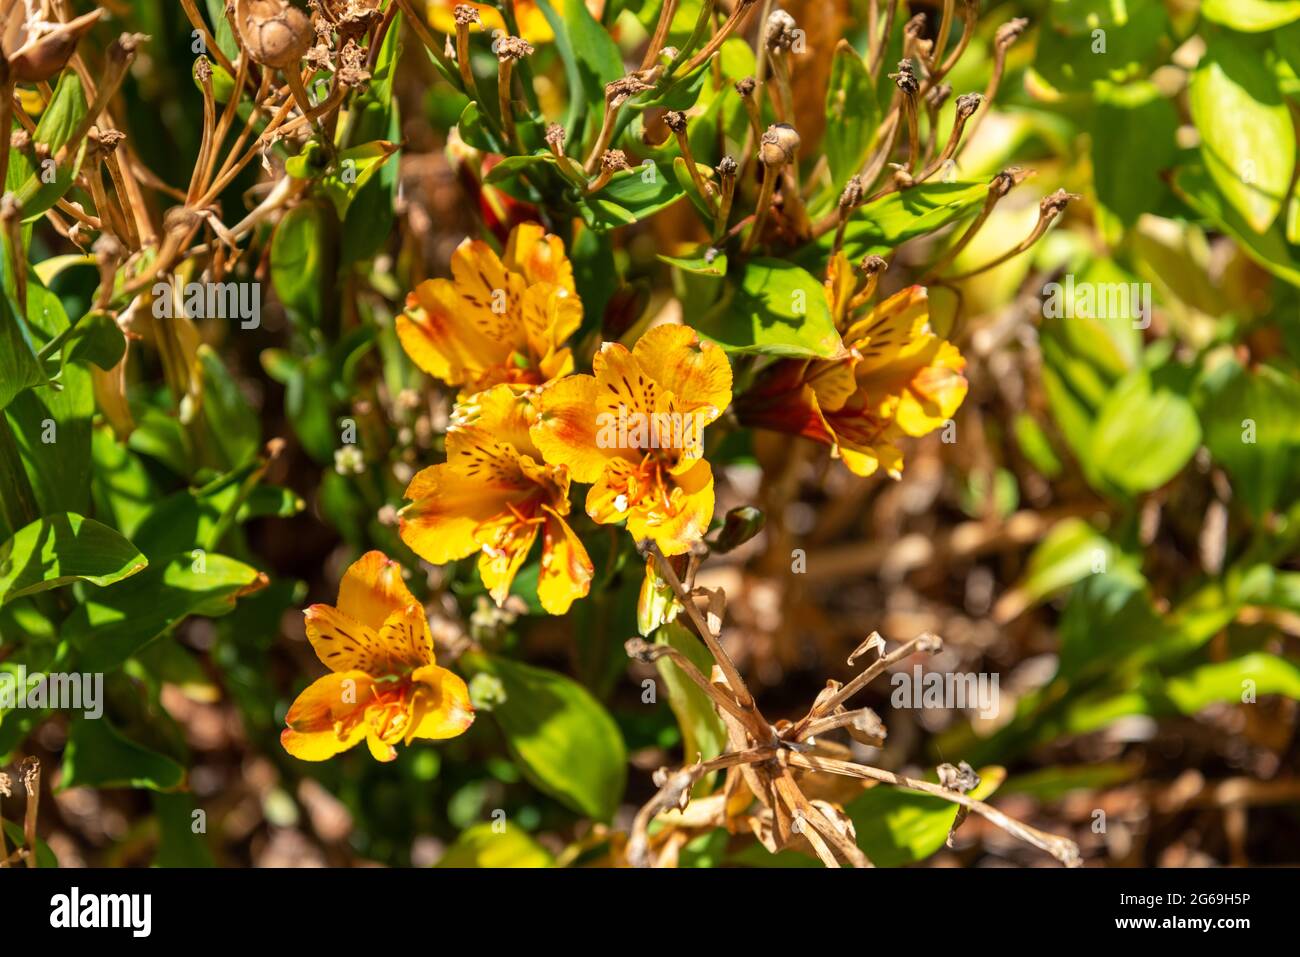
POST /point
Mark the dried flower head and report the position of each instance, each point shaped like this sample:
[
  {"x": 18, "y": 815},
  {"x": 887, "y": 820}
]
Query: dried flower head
[
  {"x": 905, "y": 79},
  {"x": 675, "y": 120},
  {"x": 513, "y": 48},
  {"x": 614, "y": 160},
  {"x": 466, "y": 14}
]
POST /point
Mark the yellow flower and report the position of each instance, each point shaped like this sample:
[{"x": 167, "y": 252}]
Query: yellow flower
[
  {"x": 493, "y": 495},
  {"x": 383, "y": 684},
  {"x": 496, "y": 320},
  {"x": 533, "y": 25},
  {"x": 899, "y": 379},
  {"x": 633, "y": 429}
]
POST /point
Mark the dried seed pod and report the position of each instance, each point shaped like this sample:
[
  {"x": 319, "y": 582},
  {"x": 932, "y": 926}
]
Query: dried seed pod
[
  {"x": 36, "y": 51},
  {"x": 781, "y": 31},
  {"x": 275, "y": 33},
  {"x": 968, "y": 103},
  {"x": 780, "y": 145}
]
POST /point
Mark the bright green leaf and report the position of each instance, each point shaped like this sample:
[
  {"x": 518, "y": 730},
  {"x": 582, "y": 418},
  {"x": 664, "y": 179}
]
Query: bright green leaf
[
  {"x": 59, "y": 549},
  {"x": 560, "y": 736}
]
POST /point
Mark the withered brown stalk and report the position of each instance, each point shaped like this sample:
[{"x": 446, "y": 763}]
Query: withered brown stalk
[{"x": 769, "y": 759}]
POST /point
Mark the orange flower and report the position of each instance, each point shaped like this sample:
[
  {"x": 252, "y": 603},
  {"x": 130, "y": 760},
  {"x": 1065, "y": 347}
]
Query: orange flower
[
  {"x": 633, "y": 429},
  {"x": 383, "y": 684},
  {"x": 492, "y": 496},
  {"x": 496, "y": 320},
  {"x": 899, "y": 379}
]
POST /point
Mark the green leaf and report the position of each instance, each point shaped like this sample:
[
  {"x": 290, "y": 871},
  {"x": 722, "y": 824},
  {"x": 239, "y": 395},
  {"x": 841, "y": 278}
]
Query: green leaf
[
  {"x": 301, "y": 272},
  {"x": 1247, "y": 140},
  {"x": 113, "y": 625},
  {"x": 1072, "y": 550},
  {"x": 891, "y": 220},
  {"x": 52, "y": 425},
  {"x": 596, "y": 56},
  {"x": 345, "y": 177},
  {"x": 59, "y": 549},
  {"x": 895, "y": 827},
  {"x": 233, "y": 425},
  {"x": 1236, "y": 680},
  {"x": 1251, "y": 16},
  {"x": 851, "y": 114},
  {"x": 96, "y": 340},
  {"x": 179, "y": 845},
  {"x": 98, "y": 756},
  {"x": 700, "y": 265},
  {"x": 1088, "y": 45},
  {"x": 774, "y": 308},
  {"x": 222, "y": 32},
  {"x": 483, "y": 846},
  {"x": 633, "y": 195},
  {"x": 1250, "y": 425},
  {"x": 1144, "y": 435},
  {"x": 35, "y": 188},
  {"x": 44, "y": 856},
  {"x": 1132, "y": 145},
  {"x": 19, "y": 367},
  {"x": 577, "y": 98},
  {"x": 564, "y": 741},
  {"x": 1035, "y": 446},
  {"x": 369, "y": 218},
  {"x": 703, "y": 733},
  {"x": 1269, "y": 249}
]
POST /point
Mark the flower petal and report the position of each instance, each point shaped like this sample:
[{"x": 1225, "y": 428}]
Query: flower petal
[
  {"x": 694, "y": 370},
  {"x": 685, "y": 519},
  {"x": 505, "y": 545},
  {"x": 934, "y": 393},
  {"x": 550, "y": 314},
  {"x": 372, "y": 589},
  {"x": 440, "y": 706},
  {"x": 566, "y": 429},
  {"x": 539, "y": 256},
  {"x": 504, "y": 413},
  {"x": 449, "y": 503},
  {"x": 566, "y": 570},
  {"x": 439, "y": 338},
  {"x": 328, "y": 717},
  {"x": 380, "y": 750},
  {"x": 892, "y": 330}
]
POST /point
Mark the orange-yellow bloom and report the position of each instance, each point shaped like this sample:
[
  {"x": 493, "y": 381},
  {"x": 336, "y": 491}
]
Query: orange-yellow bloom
[
  {"x": 633, "y": 430},
  {"x": 899, "y": 379},
  {"x": 497, "y": 320},
  {"x": 383, "y": 684},
  {"x": 493, "y": 495}
]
